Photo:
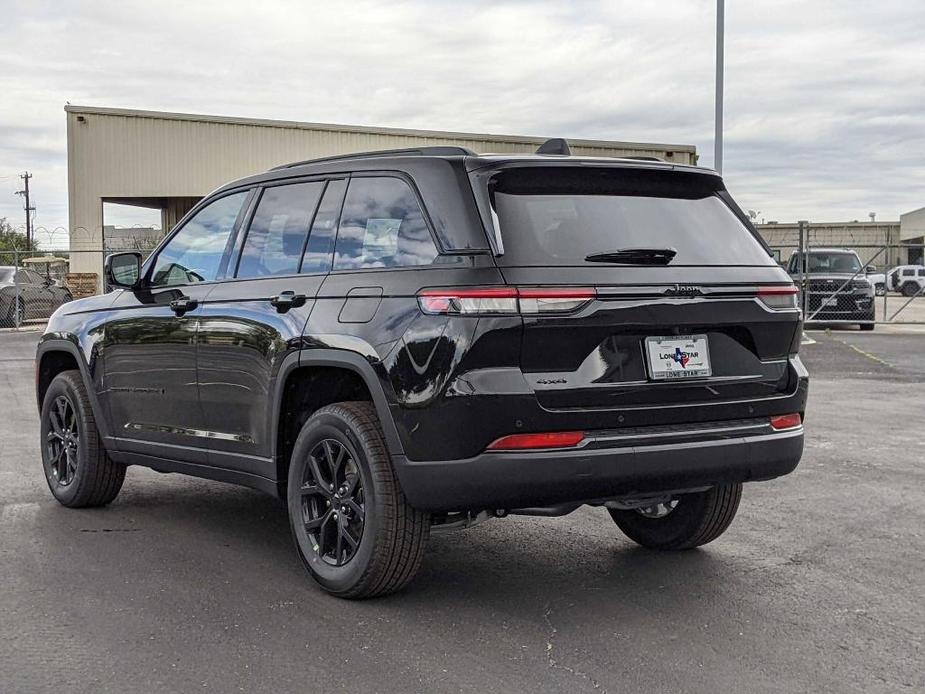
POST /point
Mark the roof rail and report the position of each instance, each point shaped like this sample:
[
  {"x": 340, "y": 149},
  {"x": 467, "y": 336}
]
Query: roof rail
[
  {"x": 643, "y": 158},
  {"x": 556, "y": 145},
  {"x": 441, "y": 151}
]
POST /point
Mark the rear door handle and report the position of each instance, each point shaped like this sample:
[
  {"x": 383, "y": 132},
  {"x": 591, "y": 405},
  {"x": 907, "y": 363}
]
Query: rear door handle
[
  {"x": 183, "y": 304},
  {"x": 287, "y": 300}
]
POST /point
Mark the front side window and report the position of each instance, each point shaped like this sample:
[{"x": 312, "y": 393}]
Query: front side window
[
  {"x": 382, "y": 225},
  {"x": 276, "y": 235},
  {"x": 195, "y": 252}
]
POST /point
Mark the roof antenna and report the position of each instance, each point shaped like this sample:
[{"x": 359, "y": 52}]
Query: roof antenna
[{"x": 556, "y": 145}]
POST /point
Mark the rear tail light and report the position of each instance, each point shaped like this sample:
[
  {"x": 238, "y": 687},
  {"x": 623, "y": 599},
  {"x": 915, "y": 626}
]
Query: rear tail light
[
  {"x": 471, "y": 301},
  {"x": 553, "y": 300},
  {"x": 503, "y": 300},
  {"x": 778, "y": 297},
  {"x": 520, "y": 442},
  {"x": 786, "y": 421}
]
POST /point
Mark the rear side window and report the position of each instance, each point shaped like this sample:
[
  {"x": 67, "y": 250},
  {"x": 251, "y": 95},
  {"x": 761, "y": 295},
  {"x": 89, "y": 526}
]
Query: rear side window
[
  {"x": 277, "y": 234},
  {"x": 909, "y": 272},
  {"x": 561, "y": 215},
  {"x": 382, "y": 225},
  {"x": 321, "y": 240}
]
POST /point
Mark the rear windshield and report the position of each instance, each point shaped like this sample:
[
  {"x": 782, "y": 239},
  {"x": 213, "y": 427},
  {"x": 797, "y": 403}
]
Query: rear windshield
[
  {"x": 6, "y": 274},
  {"x": 561, "y": 215}
]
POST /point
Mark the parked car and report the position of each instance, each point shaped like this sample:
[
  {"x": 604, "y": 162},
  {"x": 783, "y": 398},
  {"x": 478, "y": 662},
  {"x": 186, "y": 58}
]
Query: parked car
[
  {"x": 908, "y": 279},
  {"x": 25, "y": 294},
  {"x": 878, "y": 280},
  {"x": 835, "y": 286},
  {"x": 411, "y": 341}
]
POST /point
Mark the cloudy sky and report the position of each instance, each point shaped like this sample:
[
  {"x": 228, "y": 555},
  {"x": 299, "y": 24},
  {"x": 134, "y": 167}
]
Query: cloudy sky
[{"x": 825, "y": 99}]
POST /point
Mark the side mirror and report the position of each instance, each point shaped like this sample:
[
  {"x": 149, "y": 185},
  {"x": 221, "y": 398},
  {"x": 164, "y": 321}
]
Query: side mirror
[
  {"x": 869, "y": 269},
  {"x": 123, "y": 269}
]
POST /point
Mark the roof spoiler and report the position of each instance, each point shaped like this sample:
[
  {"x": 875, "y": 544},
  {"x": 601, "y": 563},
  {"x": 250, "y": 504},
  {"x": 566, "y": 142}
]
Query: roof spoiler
[{"x": 556, "y": 145}]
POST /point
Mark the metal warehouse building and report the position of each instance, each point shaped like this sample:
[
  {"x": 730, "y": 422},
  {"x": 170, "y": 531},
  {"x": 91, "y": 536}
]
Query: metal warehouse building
[
  {"x": 168, "y": 161},
  {"x": 884, "y": 244}
]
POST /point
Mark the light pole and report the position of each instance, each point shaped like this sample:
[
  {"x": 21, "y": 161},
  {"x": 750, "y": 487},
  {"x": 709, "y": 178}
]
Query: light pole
[{"x": 718, "y": 118}]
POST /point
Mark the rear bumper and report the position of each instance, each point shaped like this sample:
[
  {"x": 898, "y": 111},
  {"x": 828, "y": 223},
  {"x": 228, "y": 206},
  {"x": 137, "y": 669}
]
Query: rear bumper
[{"x": 611, "y": 467}]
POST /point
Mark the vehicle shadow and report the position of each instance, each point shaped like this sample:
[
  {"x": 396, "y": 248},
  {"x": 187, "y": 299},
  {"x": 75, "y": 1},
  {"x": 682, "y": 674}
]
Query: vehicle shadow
[{"x": 499, "y": 565}]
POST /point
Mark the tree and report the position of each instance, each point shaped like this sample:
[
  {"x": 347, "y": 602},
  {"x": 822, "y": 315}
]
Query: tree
[{"x": 12, "y": 240}]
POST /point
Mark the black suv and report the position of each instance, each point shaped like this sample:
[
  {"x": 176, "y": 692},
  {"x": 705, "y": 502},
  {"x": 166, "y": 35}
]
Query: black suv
[
  {"x": 406, "y": 341},
  {"x": 835, "y": 287}
]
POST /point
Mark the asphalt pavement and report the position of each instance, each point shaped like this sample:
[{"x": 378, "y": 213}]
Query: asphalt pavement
[{"x": 185, "y": 585}]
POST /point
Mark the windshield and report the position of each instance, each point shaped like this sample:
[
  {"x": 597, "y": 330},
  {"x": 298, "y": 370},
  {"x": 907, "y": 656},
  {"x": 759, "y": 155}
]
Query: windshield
[
  {"x": 828, "y": 261},
  {"x": 582, "y": 215}
]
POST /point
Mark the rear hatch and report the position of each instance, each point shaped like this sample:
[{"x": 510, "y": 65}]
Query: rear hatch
[{"x": 684, "y": 304}]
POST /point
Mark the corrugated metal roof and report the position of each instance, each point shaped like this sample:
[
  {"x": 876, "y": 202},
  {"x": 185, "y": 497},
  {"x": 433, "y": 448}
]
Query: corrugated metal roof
[{"x": 363, "y": 129}]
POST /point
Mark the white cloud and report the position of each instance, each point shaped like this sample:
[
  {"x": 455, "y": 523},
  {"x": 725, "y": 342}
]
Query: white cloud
[{"x": 825, "y": 100}]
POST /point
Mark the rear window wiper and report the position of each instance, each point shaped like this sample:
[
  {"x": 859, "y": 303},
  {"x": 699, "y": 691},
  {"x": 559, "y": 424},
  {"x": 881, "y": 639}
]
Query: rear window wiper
[{"x": 641, "y": 256}]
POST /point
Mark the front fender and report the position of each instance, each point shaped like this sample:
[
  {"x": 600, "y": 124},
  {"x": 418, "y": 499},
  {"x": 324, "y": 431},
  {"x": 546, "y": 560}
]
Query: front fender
[{"x": 90, "y": 372}]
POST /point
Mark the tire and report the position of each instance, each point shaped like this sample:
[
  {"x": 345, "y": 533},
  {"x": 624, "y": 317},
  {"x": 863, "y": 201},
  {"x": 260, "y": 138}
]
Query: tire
[
  {"x": 360, "y": 500},
  {"x": 910, "y": 289},
  {"x": 11, "y": 320},
  {"x": 697, "y": 519},
  {"x": 81, "y": 474},
  {"x": 879, "y": 289}
]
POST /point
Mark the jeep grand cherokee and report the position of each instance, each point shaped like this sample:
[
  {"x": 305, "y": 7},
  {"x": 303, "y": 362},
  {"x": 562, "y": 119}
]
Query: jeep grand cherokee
[{"x": 406, "y": 341}]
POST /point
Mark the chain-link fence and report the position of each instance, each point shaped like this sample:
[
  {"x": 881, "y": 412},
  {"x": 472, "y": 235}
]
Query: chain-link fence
[
  {"x": 861, "y": 283},
  {"x": 33, "y": 284},
  {"x": 858, "y": 283}
]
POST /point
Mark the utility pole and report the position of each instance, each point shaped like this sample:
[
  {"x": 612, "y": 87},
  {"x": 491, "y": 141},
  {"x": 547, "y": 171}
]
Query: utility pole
[
  {"x": 718, "y": 119},
  {"x": 30, "y": 208}
]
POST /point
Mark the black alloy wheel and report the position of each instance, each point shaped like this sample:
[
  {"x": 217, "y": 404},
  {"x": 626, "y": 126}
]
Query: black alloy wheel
[
  {"x": 76, "y": 464},
  {"x": 354, "y": 530},
  {"x": 684, "y": 522},
  {"x": 333, "y": 506},
  {"x": 63, "y": 440}
]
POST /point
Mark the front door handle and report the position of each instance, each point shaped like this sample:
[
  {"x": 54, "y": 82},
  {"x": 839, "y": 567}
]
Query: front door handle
[
  {"x": 183, "y": 304},
  {"x": 287, "y": 300}
]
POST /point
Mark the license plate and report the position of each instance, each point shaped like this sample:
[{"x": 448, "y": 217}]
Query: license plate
[
  {"x": 682, "y": 356},
  {"x": 831, "y": 301}
]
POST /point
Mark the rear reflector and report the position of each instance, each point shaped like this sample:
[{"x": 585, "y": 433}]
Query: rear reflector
[
  {"x": 786, "y": 421},
  {"x": 519, "y": 442},
  {"x": 503, "y": 300},
  {"x": 784, "y": 296}
]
